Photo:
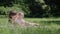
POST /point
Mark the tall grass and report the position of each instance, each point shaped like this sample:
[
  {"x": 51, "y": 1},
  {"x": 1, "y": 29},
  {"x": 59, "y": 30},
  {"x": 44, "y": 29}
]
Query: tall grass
[{"x": 47, "y": 26}]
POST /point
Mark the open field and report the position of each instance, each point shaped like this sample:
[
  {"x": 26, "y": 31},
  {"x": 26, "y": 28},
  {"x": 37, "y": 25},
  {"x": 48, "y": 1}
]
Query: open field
[{"x": 47, "y": 26}]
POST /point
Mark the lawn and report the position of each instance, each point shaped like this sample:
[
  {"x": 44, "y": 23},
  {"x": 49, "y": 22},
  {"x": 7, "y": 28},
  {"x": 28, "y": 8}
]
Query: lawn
[{"x": 47, "y": 26}]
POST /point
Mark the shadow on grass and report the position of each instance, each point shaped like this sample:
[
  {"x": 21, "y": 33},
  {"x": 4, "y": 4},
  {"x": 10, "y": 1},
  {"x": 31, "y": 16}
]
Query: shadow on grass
[{"x": 49, "y": 22}]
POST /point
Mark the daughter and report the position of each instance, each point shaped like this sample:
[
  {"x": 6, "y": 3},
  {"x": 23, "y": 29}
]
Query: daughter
[{"x": 17, "y": 17}]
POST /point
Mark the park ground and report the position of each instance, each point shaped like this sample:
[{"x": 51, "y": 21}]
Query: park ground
[{"x": 47, "y": 26}]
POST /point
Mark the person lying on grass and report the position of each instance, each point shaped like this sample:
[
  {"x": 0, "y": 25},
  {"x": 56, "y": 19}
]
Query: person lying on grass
[{"x": 17, "y": 17}]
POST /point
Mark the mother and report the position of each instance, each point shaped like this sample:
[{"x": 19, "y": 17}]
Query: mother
[{"x": 17, "y": 17}]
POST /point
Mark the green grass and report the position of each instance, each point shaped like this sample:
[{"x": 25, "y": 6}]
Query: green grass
[{"x": 47, "y": 26}]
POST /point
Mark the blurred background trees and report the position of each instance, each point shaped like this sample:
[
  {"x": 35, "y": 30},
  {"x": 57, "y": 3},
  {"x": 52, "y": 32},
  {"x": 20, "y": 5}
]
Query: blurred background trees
[{"x": 32, "y": 8}]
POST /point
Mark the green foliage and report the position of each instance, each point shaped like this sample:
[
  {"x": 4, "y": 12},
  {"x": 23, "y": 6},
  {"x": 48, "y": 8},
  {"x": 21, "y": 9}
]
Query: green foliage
[
  {"x": 32, "y": 8},
  {"x": 47, "y": 26}
]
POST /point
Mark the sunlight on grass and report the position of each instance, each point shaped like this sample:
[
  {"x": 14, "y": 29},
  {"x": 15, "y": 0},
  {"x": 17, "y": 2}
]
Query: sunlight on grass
[{"x": 47, "y": 26}]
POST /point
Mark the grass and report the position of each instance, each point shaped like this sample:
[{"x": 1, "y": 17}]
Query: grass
[{"x": 47, "y": 26}]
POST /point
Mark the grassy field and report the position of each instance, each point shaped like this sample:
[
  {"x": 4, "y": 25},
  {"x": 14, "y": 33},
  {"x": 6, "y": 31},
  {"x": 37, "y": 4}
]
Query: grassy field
[{"x": 47, "y": 26}]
